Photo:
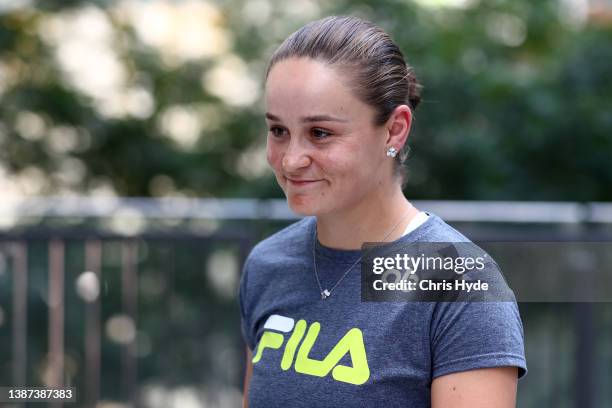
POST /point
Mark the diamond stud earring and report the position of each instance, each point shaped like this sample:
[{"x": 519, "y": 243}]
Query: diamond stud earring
[{"x": 392, "y": 152}]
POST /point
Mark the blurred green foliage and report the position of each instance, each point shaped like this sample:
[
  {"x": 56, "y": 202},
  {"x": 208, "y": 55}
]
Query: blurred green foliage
[{"x": 516, "y": 103}]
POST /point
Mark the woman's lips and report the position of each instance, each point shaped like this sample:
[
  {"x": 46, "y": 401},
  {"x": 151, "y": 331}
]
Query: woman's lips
[{"x": 301, "y": 182}]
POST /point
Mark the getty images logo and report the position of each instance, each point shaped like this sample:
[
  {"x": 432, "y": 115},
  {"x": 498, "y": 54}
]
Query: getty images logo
[{"x": 351, "y": 343}]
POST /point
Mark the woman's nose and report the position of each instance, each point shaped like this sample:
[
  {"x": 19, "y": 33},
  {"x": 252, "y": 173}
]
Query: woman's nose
[{"x": 295, "y": 157}]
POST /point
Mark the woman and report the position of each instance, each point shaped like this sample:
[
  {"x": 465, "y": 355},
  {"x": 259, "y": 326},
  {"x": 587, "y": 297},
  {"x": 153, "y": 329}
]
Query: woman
[{"x": 339, "y": 106}]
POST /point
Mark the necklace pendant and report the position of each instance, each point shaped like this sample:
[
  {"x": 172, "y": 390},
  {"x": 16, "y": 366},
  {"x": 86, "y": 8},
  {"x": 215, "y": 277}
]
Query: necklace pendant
[{"x": 325, "y": 294}]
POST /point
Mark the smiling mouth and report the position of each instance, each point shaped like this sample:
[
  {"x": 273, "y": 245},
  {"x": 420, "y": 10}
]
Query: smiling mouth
[{"x": 300, "y": 182}]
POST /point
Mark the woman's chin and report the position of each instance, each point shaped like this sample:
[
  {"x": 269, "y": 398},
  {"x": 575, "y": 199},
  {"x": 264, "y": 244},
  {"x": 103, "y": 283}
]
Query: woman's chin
[
  {"x": 302, "y": 205},
  {"x": 303, "y": 210}
]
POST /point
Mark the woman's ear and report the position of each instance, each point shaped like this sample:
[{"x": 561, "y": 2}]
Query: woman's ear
[{"x": 398, "y": 126}]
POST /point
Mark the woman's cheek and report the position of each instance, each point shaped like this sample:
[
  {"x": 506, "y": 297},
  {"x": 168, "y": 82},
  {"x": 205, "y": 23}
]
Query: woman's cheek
[
  {"x": 273, "y": 155},
  {"x": 339, "y": 164}
]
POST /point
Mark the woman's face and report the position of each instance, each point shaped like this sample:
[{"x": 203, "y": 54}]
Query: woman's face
[{"x": 325, "y": 151}]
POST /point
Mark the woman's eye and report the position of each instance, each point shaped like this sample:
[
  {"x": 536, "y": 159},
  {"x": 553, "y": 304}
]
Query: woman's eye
[
  {"x": 320, "y": 133},
  {"x": 276, "y": 131}
]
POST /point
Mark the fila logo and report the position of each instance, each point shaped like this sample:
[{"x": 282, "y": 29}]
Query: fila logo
[{"x": 351, "y": 343}]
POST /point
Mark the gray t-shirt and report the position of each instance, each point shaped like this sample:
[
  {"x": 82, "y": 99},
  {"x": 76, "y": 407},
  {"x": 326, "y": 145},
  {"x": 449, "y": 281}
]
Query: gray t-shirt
[{"x": 344, "y": 352}]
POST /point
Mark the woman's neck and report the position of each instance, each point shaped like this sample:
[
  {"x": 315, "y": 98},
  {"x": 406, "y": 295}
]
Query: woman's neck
[{"x": 371, "y": 221}]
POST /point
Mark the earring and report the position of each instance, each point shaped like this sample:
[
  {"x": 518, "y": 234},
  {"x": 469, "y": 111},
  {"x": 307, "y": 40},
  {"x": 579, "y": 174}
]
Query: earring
[{"x": 392, "y": 152}]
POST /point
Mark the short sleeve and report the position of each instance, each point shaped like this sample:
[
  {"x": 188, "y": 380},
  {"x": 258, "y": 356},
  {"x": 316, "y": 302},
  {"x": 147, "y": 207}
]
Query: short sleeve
[
  {"x": 471, "y": 335},
  {"x": 245, "y": 326}
]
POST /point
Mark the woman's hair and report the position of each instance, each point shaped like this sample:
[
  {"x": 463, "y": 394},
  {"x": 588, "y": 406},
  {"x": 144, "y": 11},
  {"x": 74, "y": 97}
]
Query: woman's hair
[{"x": 377, "y": 71}]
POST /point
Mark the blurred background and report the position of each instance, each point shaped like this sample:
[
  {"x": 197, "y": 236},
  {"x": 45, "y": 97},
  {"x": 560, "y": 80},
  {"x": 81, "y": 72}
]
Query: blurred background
[{"x": 133, "y": 179}]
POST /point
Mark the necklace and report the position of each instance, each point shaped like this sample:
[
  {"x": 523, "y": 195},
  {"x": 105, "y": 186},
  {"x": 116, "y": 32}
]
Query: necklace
[{"x": 325, "y": 293}]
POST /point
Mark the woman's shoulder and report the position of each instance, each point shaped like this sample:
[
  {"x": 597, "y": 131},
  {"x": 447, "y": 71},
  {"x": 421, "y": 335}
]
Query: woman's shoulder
[
  {"x": 290, "y": 240},
  {"x": 435, "y": 229}
]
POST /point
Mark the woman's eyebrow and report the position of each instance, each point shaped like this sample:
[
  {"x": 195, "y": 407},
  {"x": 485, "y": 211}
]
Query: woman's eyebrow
[{"x": 313, "y": 118}]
